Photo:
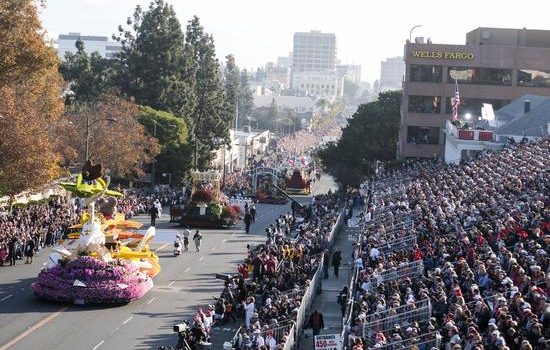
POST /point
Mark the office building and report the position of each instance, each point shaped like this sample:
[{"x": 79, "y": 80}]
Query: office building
[
  {"x": 314, "y": 65},
  {"x": 92, "y": 43},
  {"x": 392, "y": 71},
  {"x": 495, "y": 67}
]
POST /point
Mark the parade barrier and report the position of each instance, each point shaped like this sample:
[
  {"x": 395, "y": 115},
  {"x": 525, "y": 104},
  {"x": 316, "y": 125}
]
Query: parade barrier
[
  {"x": 403, "y": 319},
  {"x": 427, "y": 341},
  {"x": 371, "y": 318},
  {"x": 410, "y": 270},
  {"x": 406, "y": 242}
]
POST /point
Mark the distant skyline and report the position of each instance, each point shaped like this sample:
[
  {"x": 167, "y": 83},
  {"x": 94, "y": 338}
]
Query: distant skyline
[{"x": 258, "y": 32}]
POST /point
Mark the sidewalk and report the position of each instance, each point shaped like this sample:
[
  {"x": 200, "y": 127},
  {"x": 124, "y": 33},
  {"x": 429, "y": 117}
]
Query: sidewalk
[{"x": 326, "y": 302}]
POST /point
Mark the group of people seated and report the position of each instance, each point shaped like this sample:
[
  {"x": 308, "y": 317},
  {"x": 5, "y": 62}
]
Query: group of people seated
[{"x": 482, "y": 235}]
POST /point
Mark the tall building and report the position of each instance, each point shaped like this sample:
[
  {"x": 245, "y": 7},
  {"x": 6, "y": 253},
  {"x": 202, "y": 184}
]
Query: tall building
[
  {"x": 494, "y": 67},
  {"x": 392, "y": 71},
  {"x": 92, "y": 43},
  {"x": 314, "y": 65}
]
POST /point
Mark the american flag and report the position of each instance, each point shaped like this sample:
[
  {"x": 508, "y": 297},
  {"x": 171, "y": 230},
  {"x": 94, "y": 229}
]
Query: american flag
[{"x": 456, "y": 103}]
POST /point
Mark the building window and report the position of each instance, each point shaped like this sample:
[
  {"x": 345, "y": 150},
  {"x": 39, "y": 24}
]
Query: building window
[
  {"x": 533, "y": 77},
  {"x": 473, "y": 105},
  {"x": 423, "y": 135},
  {"x": 484, "y": 76},
  {"x": 424, "y": 104},
  {"x": 431, "y": 74}
]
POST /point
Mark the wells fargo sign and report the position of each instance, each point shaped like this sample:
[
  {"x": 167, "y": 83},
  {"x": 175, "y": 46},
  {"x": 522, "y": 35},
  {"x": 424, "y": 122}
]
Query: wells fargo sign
[{"x": 449, "y": 55}]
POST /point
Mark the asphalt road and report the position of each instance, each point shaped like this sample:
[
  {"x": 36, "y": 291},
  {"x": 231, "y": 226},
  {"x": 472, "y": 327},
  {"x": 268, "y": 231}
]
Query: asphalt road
[{"x": 185, "y": 283}]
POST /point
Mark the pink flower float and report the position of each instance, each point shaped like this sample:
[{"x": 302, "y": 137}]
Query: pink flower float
[{"x": 87, "y": 280}]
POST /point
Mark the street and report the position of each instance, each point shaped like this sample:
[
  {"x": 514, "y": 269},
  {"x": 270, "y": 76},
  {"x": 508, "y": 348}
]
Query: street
[{"x": 184, "y": 284}]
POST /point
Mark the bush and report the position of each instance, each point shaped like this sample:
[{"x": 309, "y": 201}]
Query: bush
[{"x": 202, "y": 196}]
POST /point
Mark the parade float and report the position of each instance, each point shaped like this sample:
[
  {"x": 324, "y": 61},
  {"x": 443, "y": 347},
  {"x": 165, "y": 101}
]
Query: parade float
[
  {"x": 265, "y": 183},
  {"x": 298, "y": 183},
  {"x": 105, "y": 261},
  {"x": 208, "y": 207}
]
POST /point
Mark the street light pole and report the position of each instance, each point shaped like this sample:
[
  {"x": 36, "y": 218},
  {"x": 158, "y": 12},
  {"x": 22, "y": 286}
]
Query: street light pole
[{"x": 411, "y": 31}]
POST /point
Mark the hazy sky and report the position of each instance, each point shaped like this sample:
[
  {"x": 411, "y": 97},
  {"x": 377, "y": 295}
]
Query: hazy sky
[{"x": 258, "y": 31}]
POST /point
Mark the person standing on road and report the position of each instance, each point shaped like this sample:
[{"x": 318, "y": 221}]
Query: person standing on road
[
  {"x": 247, "y": 221},
  {"x": 29, "y": 250},
  {"x": 197, "y": 238},
  {"x": 336, "y": 260},
  {"x": 253, "y": 213},
  {"x": 186, "y": 234},
  {"x": 316, "y": 322},
  {"x": 153, "y": 211}
]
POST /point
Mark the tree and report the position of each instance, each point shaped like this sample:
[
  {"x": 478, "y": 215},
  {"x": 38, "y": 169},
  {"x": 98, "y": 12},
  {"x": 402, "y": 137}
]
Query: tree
[
  {"x": 209, "y": 123},
  {"x": 121, "y": 146},
  {"x": 231, "y": 80},
  {"x": 156, "y": 67},
  {"x": 371, "y": 135},
  {"x": 350, "y": 89},
  {"x": 89, "y": 75},
  {"x": 30, "y": 103},
  {"x": 173, "y": 137},
  {"x": 246, "y": 100}
]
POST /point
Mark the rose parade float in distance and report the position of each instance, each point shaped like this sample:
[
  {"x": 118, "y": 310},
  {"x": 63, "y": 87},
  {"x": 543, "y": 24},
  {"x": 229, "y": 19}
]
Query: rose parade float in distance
[
  {"x": 265, "y": 186},
  {"x": 105, "y": 261},
  {"x": 208, "y": 207},
  {"x": 298, "y": 183}
]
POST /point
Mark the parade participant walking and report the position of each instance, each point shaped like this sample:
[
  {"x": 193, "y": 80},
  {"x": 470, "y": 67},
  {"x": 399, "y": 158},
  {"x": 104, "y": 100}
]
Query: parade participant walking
[
  {"x": 247, "y": 221},
  {"x": 253, "y": 213},
  {"x": 186, "y": 234},
  {"x": 197, "y": 238},
  {"x": 153, "y": 211}
]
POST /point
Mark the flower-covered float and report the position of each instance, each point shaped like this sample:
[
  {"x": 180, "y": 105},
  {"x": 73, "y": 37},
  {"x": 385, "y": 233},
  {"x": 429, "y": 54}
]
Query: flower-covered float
[
  {"x": 105, "y": 262},
  {"x": 298, "y": 184},
  {"x": 264, "y": 180},
  {"x": 208, "y": 207}
]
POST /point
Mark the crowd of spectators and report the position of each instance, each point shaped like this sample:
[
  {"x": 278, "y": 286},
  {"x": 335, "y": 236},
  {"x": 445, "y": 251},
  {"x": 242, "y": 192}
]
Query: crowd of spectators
[
  {"x": 482, "y": 234},
  {"x": 267, "y": 289}
]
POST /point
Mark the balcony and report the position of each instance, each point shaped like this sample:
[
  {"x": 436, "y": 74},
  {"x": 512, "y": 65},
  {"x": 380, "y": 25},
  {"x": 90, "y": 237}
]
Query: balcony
[{"x": 468, "y": 134}]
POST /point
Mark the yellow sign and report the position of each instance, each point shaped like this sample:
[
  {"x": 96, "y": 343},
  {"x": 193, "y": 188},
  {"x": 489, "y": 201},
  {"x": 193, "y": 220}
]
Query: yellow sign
[{"x": 447, "y": 55}]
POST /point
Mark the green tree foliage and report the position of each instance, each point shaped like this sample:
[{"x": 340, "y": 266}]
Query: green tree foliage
[
  {"x": 231, "y": 80},
  {"x": 89, "y": 75},
  {"x": 173, "y": 137},
  {"x": 209, "y": 124},
  {"x": 246, "y": 100},
  {"x": 156, "y": 66},
  {"x": 350, "y": 89},
  {"x": 370, "y": 135}
]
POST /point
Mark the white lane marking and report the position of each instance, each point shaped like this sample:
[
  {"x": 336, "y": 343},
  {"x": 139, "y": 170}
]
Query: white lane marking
[
  {"x": 225, "y": 240},
  {"x": 98, "y": 345},
  {"x": 7, "y": 297},
  {"x": 171, "y": 283},
  {"x": 187, "y": 269},
  {"x": 33, "y": 328},
  {"x": 214, "y": 248},
  {"x": 202, "y": 257},
  {"x": 161, "y": 247},
  {"x": 127, "y": 320},
  {"x": 151, "y": 300}
]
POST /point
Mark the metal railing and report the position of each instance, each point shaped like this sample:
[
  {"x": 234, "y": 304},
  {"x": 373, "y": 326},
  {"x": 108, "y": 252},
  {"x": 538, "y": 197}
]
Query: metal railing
[
  {"x": 370, "y": 329},
  {"x": 397, "y": 311},
  {"x": 411, "y": 269},
  {"x": 424, "y": 341},
  {"x": 398, "y": 244}
]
